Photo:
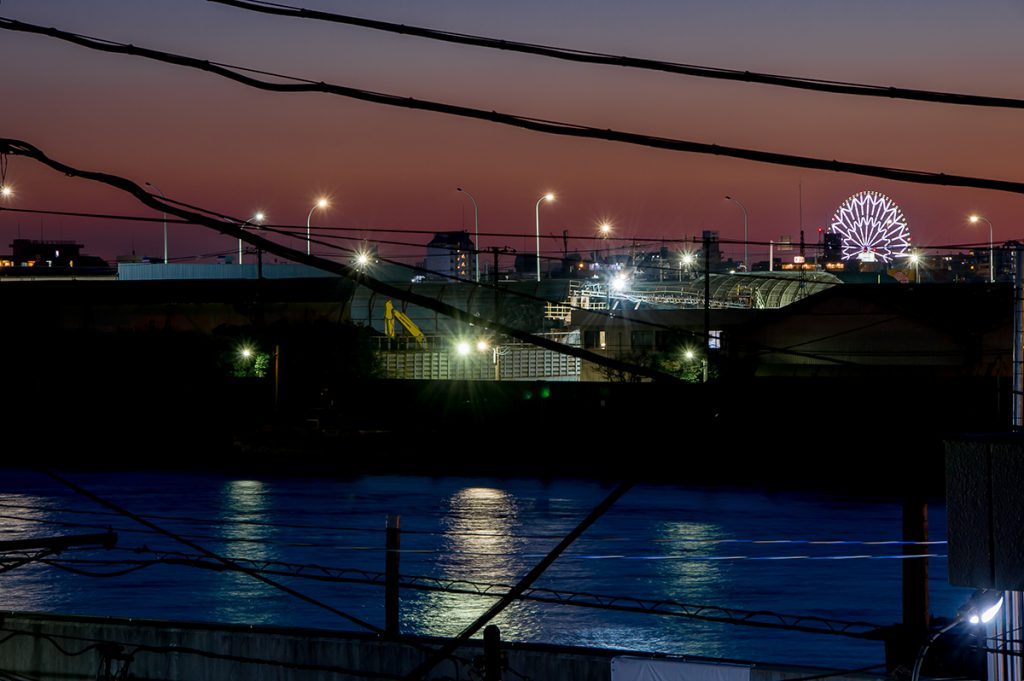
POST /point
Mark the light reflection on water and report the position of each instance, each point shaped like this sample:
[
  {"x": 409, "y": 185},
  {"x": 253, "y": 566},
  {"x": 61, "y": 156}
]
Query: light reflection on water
[
  {"x": 691, "y": 581},
  {"x": 658, "y": 542},
  {"x": 244, "y": 507},
  {"x": 29, "y": 586},
  {"x": 478, "y": 545}
]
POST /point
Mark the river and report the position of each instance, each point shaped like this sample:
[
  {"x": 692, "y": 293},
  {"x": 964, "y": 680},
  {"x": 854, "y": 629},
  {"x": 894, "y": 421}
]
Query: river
[{"x": 787, "y": 552}]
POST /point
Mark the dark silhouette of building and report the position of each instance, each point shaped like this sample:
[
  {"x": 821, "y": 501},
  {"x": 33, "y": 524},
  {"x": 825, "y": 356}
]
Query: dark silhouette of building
[{"x": 51, "y": 258}]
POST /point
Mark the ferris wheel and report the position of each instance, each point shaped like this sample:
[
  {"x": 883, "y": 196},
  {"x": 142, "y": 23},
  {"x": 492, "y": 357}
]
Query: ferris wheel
[{"x": 872, "y": 228}]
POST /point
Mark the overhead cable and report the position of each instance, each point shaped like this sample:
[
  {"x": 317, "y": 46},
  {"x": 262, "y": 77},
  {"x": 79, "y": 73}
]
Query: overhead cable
[
  {"x": 590, "y": 57},
  {"x": 528, "y": 123}
]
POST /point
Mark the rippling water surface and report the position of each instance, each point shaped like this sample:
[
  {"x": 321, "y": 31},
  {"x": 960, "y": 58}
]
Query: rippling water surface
[{"x": 729, "y": 548}]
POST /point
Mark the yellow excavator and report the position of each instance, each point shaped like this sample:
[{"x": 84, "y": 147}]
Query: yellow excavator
[{"x": 391, "y": 314}]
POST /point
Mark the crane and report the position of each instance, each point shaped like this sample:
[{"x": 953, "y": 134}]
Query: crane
[{"x": 391, "y": 314}]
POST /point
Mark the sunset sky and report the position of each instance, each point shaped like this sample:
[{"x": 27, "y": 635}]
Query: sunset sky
[{"x": 210, "y": 142}]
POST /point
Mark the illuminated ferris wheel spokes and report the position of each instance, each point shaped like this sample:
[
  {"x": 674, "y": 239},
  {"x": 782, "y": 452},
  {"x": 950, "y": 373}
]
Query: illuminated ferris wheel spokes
[{"x": 871, "y": 227}]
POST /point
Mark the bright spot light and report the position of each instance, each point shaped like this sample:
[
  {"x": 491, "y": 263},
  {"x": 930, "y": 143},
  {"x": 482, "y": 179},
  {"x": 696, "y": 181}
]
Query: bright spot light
[
  {"x": 689, "y": 354},
  {"x": 914, "y": 258},
  {"x": 362, "y": 259},
  {"x": 605, "y": 228},
  {"x": 687, "y": 258},
  {"x": 6, "y": 191},
  {"x": 259, "y": 217},
  {"x": 549, "y": 197},
  {"x": 321, "y": 203},
  {"x": 987, "y": 616},
  {"x": 245, "y": 352},
  {"x": 619, "y": 282},
  {"x": 481, "y": 345},
  {"x": 462, "y": 347}
]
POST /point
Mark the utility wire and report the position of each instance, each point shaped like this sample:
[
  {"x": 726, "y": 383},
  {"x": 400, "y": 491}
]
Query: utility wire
[
  {"x": 298, "y": 231},
  {"x": 529, "y": 123},
  {"x": 233, "y": 229},
  {"x": 589, "y": 57},
  {"x": 48, "y": 507},
  {"x": 135, "y": 648},
  {"x": 422, "y": 669},
  {"x": 210, "y": 554},
  {"x": 632, "y": 604}
]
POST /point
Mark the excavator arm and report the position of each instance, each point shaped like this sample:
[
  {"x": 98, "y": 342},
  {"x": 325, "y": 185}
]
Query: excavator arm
[{"x": 391, "y": 314}]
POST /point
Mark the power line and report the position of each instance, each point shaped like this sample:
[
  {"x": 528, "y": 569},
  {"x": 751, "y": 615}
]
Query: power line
[
  {"x": 234, "y": 229},
  {"x": 529, "y": 123},
  {"x": 449, "y": 533},
  {"x": 135, "y": 648},
  {"x": 298, "y": 231},
  {"x": 665, "y": 607},
  {"x": 449, "y": 647},
  {"x": 210, "y": 554},
  {"x": 590, "y": 57}
]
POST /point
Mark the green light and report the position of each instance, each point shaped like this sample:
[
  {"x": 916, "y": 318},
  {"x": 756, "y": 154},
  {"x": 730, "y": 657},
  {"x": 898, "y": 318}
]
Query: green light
[{"x": 545, "y": 392}]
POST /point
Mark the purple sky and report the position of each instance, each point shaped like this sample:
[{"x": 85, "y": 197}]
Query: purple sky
[{"x": 210, "y": 142}]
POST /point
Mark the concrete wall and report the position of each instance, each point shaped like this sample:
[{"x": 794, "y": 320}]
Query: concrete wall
[{"x": 69, "y": 647}]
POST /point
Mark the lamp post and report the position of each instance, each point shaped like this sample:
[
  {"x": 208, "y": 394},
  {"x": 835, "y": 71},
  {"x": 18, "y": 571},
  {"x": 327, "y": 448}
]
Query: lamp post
[
  {"x": 476, "y": 223},
  {"x": 980, "y": 608},
  {"x": 150, "y": 184},
  {"x": 991, "y": 263},
  {"x": 257, "y": 219},
  {"x": 547, "y": 197},
  {"x": 320, "y": 203},
  {"x": 746, "y": 263}
]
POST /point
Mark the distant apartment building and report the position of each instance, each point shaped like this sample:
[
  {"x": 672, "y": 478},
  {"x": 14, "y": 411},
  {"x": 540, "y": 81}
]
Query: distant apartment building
[{"x": 451, "y": 254}]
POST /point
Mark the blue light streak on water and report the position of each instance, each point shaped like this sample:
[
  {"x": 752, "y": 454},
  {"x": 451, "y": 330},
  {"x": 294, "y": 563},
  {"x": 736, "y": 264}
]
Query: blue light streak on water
[{"x": 736, "y": 548}]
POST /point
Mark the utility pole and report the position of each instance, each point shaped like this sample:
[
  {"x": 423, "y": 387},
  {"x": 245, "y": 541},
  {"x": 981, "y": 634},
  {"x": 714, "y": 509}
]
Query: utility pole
[
  {"x": 393, "y": 543},
  {"x": 1018, "y": 339},
  {"x": 707, "y": 302},
  {"x": 492, "y": 653}
]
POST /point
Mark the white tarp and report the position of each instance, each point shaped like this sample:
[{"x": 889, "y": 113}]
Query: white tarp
[{"x": 647, "y": 669}]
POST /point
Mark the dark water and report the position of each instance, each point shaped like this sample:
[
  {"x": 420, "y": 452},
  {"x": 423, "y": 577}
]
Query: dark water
[{"x": 716, "y": 547}]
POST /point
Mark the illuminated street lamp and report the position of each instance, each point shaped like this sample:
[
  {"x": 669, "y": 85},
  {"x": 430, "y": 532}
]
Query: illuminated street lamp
[
  {"x": 150, "y": 184},
  {"x": 991, "y": 263},
  {"x": 980, "y": 608},
  {"x": 256, "y": 219},
  {"x": 605, "y": 228},
  {"x": 547, "y": 197},
  {"x": 6, "y": 191},
  {"x": 320, "y": 203},
  {"x": 476, "y": 223},
  {"x": 746, "y": 263},
  {"x": 915, "y": 260}
]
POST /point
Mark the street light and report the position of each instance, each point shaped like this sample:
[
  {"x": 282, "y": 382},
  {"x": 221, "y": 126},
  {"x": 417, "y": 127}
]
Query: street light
[
  {"x": 320, "y": 203},
  {"x": 476, "y": 222},
  {"x": 547, "y": 197},
  {"x": 256, "y": 219},
  {"x": 746, "y": 263},
  {"x": 150, "y": 184},
  {"x": 6, "y": 191},
  {"x": 991, "y": 264},
  {"x": 980, "y": 608},
  {"x": 915, "y": 260}
]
